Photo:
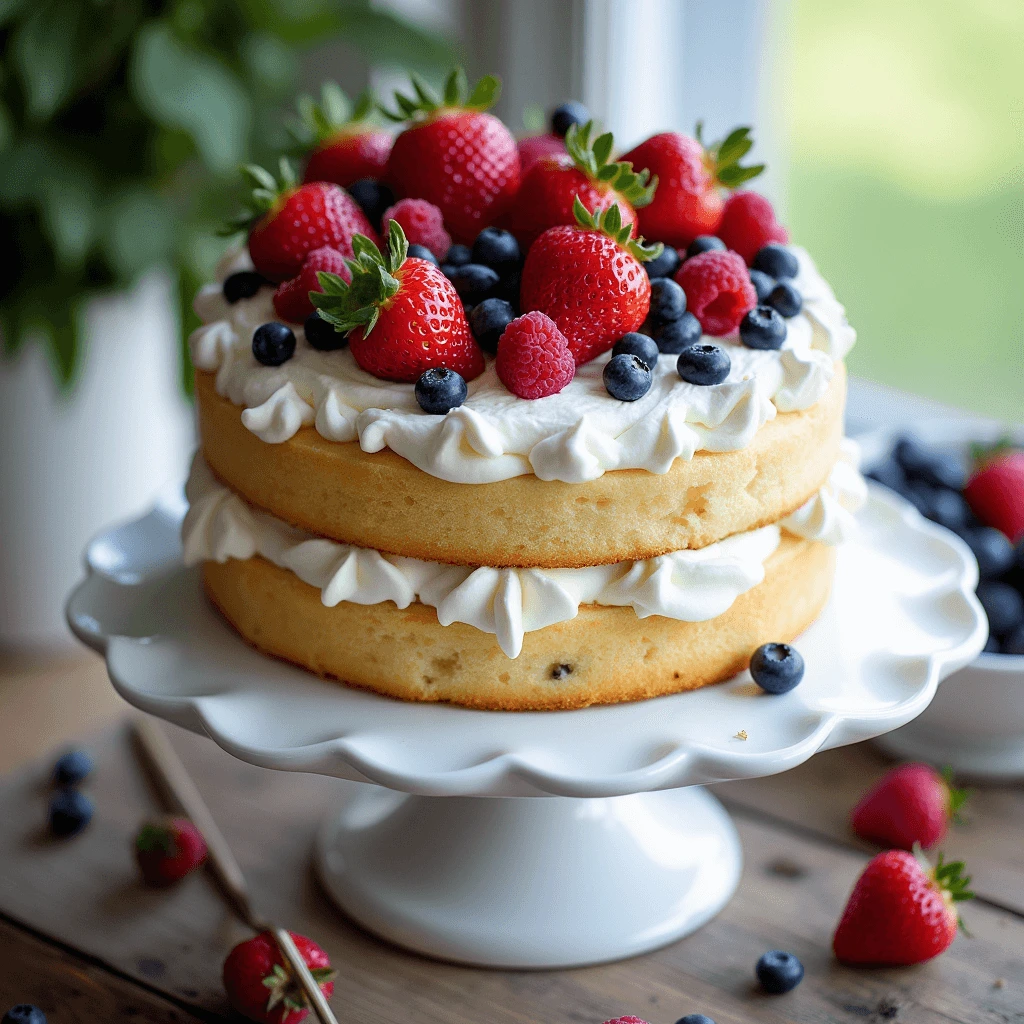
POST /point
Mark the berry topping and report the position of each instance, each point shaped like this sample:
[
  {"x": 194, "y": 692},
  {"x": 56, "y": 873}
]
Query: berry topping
[
  {"x": 779, "y": 972},
  {"x": 748, "y": 223},
  {"x": 168, "y": 850},
  {"x": 439, "y": 390},
  {"x": 991, "y": 548},
  {"x": 776, "y": 261},
  {"x": 626, "y": 1020},
  {"x": 664, "y": 265},
  {"x": 1012, "y": 643},
  {"x": 456, "y": 156},
  {"x": 763, "y": 328},
  {"x": 402, "y": 316},
  {"x": 497, "y": 249},
  {"x": 322, "y": 335},
  {"x": 488, "y": 322},
  {"x": 534, "y": 360},
  {"x": 668, "y": 301},
  {"x": 695, "y": 1018},
  {"x": 458, "y": 255},
  {"x": 940, "y": 469},
  {"x": 784, "y": 298},
  {"x": 777, "y": 668},
  {"x": 474, "y": 282},
  {"x": 1003, "y": 605},
  {"x": 273, "y": 343},
  {"x": 673, "y": 337},
  {"x": 422, "y": 223},
  {"x": 763, "y": 284},
  {"x": 636, "y": 344},
  {"x": 373, "y": 197},
  {"x": 291, "y": 300},
  {"x": 627, "y": 377},
  {"x": 703, "y": 365},
  {"x": 996, "y": 494},
  {"x": 568, "y": 114},
  {"x": 718, "y": 290},
  {"x": 72, "y": 767},
  {"x": 421, "y": 252},
  {"x": 704, "y": 243},
  {"x": 901, "y": 911},
  {"x": 536, "y": 147},
  {"x": 242, "y": 285},
  {"x": 24, "y": 1013},
  {"x": 70, "y": 811}
]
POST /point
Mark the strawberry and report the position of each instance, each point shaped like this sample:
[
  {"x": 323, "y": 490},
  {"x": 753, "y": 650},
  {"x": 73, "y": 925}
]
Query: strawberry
[
  {"x": 589, "y": 280},
  {"x": 551, "y": 186},
  {"x": 169, "y": 849},
  {"x": 536, "y": 147},
  {"x": 996, "y": 494},
  {"x": 402, "y": 315},
  {"x": 748, "y": 224},
  {"x": 260, "y": 985},
  {"x": 911, "y": 804},
  {"x": 291, "y": 300},
  {"x": 286, "y": 221},
  {"x": 692, "y": 176},
  {"x": 422, "y": 223},
  {"x": 901, "y": 911},
  {"x": 345, "y": 146},
  {"x": 455, "y": 155}
]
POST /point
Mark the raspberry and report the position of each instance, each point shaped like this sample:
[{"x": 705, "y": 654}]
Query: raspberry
[
  {"x": 291, "y": 300},
  {"x": 996, "y": 494},
  {"x": 748, "y": 222},
  {"x": 534, "y": 360},
  {"x": 626, "y": 1020},
  {"x": 422, "y": 222},
  {"x": 718, "y": 290}
]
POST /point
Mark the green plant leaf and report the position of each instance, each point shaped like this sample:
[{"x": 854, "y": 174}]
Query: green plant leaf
[{"x": 45, "y": 53}]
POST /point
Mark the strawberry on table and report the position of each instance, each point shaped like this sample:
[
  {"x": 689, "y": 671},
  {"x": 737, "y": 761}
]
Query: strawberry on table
[
  {"x": 169, "y": 849},
  {"x": 346, "y": 146},
  {"x": 901, "y": 911},
  {"x": 291, "y": 300},
  {"x": 402, "y": 315},
  {"x": 692, "y": 178},
  {"x": 749, "y": 224},
  {"x": 996, "y": 494},
  {"x": 260, "y": 986},
  {"x": 454, "y": 154}
]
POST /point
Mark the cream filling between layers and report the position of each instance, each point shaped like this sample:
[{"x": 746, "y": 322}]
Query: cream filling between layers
[{"x": 691, "y": 585}]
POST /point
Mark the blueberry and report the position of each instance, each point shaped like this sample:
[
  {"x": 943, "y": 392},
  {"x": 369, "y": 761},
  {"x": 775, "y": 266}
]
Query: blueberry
[
  {"x": 668, "y": 301},
  {"x": 704, "y": 243},
  {"x": 439, "y": 390},
  {"x": 680, "y": 334},
  {"x": 72, "y": 767},
  {"x": 627, "y": 377},
  {"x": 777, "y": 668},
  {"x": 776, "y": 261},
  {"x": 497, "y": 249},
  {"x": 372, "y": 197},
  {"x": 937, "y": 468},
  {"x": 322, "y": 335},
  {"x": 786, "y": 299},
  {"x": 991, "y": 548},
  {"x": 890, "y": 474},
  {"x": 665, "y": 265},
  {"x": 508, "y": 288},
  {"x": 70, "y": 812},
  {"x": 458, "y": 255},
  {"x": 763, "y": 284},
  {"x": 273, "y": 344},
  {"x": 243, "y": 285},
  {"x": 703, "y": 364},
  {"x": 421, "y": 252},
  {"x": 779, "y": 972},
  {"x": 474, "y": 282},
  {"x": 1013, "y": 642},
  {"x": 636, "y": 344},
  {"x": 568, "y": 114},
  {"x": 24, "y": 1013},
  {"x": 1003, "y": 605},
  {"x": 488, "y": 322},
  {"x": 695, "y": 1018},
  {"x": 948, "y": 508},
  {"x": 993, "y": 646},
  {"x": 763, "y": 328}
]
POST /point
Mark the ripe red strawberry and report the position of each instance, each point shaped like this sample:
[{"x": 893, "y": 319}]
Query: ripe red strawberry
[
  {"x": 536, "y": 147},
  {"x": 534, "y": 360},
  {"x": 901, "y": 911},
  {"x": 402, "y": 316},
  {"x": 589, "y": 280},
  {"x": 996, "y": 494},
  {"x": 291, "y": 300},
  {"x": 691, "y": 179},
  {"x": 718, "y": 290},
  {"x": 748, "y": 224},
  {"x": 550, "y": 189},
  {"x": 169, "y": 849},
  {"x": 422, "y": 223},
  {"x": 456, "y": 156},
  {"x": 345, "y": 145},
  {"x": 911, "y": 804},
  {"x": 287, "y": 221},
  {"x": 260, "y": 985}
]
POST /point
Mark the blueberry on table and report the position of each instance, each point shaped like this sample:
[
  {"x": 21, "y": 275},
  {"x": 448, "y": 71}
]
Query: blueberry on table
[
  {"x": 627, "y": 377},
  {"x": 664, "y": 265},
  {"x": 763, "y": 284},
  {"x": 1003, "y": 605},
  {"x": 705, "y": 243},
  {"x": 322, "y": 335},
  {"x": 372, "y": 197},
  {"x": 695, "y": 1018},
  {"x": 679, "y": 334},
  {"x": 273, "y": 343},
  {"x": 474, "y": 282},
  {"x": 636, "y": 344},
  {"x": 421, "y": 252},
  {"x": 993, "y": 646},
  {"x": 763, "y": 328},
  {"x": 1013, "y": 642},
  {"x": 243, "y": 285},
  {"x": 889, "y": 473},
  {"x": 488, "y": 322},
  {"x": 497, "y": 249},
  {"x": 668, "y": 301},
  {"x": 70, "y": 811},
  {"x": 439, "y": 390},
  {"x": 704, "y": 365},
  {"x": 779, "y": 972},
  {"x": 940, "y": 469},
  {"x": 72, "y": 767},
  {"x": 24, "y": 1013},
  {"x": 458, "y": 255},
  {"x": 949, "y": 509},
  {"x": 565, "y": 116},
  {"x": 785, "y": 299},
  {"x": 777, "y": 668},
  {"x": 991, "y": 548},
  {"x": 776, "y": 261}
]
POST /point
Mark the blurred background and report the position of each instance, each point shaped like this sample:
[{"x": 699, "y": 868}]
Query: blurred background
[{"x": 894, "y": 135}]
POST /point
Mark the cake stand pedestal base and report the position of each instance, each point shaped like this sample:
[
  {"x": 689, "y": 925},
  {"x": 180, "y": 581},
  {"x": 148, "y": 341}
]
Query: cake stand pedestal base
[{"x": 526, "y": 882}]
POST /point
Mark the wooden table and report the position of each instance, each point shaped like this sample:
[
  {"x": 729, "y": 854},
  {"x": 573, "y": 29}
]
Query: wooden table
[{"x": 83, "y": 939}]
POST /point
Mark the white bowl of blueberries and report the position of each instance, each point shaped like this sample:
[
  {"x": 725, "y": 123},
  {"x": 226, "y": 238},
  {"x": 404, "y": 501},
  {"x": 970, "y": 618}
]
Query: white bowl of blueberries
[{"x": 976, "y": 722}]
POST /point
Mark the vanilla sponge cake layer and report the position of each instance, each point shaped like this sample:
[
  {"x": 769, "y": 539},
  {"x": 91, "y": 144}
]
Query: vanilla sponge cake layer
[{"x": 382, "y": 501}]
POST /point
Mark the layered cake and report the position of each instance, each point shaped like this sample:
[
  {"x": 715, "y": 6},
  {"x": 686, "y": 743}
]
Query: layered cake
[{"x": 517, "y": 431}]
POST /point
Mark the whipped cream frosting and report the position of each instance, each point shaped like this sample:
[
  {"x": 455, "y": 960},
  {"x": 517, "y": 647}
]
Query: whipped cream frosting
[
  {"x": 575, "y": 436},
  {"x": 690, "y": 586}
]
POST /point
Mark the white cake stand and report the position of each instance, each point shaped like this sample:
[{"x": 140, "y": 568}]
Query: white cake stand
[{"x": 627, "y": 858}]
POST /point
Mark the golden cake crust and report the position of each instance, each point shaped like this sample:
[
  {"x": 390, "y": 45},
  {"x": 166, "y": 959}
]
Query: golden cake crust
[
  {"x": 382, "y": 501},
  {"x": 613, "y": 655}
]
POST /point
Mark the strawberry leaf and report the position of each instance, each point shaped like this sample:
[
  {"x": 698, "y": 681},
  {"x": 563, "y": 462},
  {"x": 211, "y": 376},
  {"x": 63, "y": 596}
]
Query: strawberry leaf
[
  {"x": 317, "y": 123},
  {"x": 485, "y": 93},
  {"x": 724, "y": 156},
  {"x": 156, "y": 837},
  {"x": 425, "y": 102},
  {"x": 957, "y": 797},
  {"x": 594, "y": 160},
  {"x": 265, "y": 191},
  {"x": 609, "y": 222}
]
